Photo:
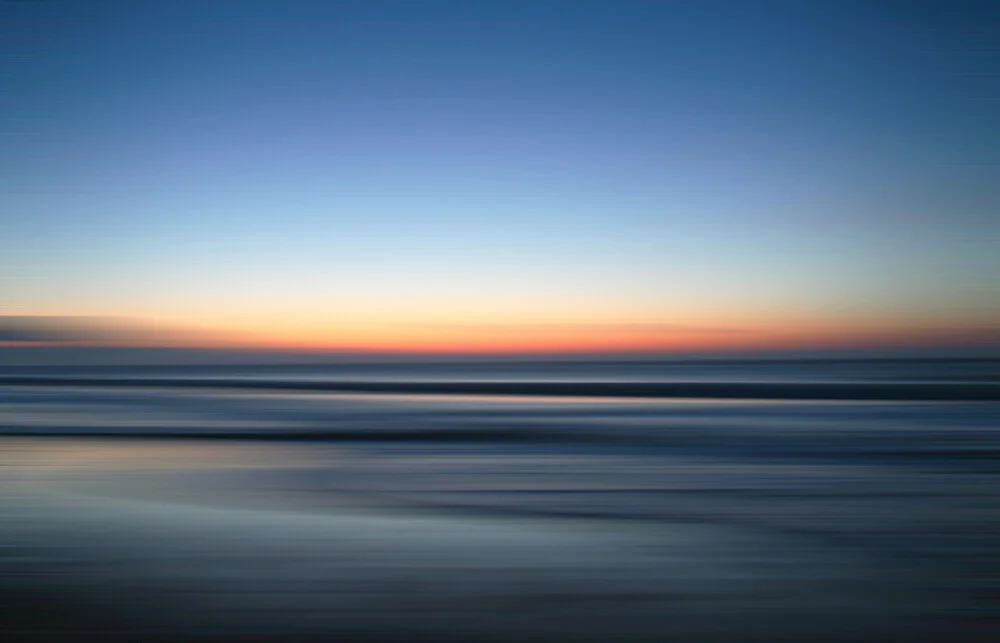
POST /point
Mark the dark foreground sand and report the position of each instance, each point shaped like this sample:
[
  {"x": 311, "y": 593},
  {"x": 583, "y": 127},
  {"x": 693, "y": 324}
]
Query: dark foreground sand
[{"x": 92, "y": 550}]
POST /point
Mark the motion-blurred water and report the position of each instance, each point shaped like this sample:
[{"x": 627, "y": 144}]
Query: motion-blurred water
[{"x": 193, "y": 512}]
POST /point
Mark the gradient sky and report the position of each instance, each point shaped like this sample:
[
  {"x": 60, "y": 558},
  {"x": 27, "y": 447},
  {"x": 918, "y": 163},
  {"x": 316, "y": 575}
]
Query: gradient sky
[{"x": 535, "y": 174}]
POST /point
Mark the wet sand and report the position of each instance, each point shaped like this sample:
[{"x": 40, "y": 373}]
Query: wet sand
[{"x": 152, "y": 543}]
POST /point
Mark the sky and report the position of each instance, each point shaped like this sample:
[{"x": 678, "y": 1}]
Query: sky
[{"x": 509, "y": 175}]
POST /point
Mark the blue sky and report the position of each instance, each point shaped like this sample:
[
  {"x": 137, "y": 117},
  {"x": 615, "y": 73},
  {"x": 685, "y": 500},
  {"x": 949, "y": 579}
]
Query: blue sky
[{"x": 305, "y": 169}]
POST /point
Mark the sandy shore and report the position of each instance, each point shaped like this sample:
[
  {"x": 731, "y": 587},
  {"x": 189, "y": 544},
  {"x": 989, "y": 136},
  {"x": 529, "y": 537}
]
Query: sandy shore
[{"x": 98, "y": 552}]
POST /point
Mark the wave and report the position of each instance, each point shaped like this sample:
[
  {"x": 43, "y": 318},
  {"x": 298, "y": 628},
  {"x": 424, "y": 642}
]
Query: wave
[{"x": 861, "y": 391}]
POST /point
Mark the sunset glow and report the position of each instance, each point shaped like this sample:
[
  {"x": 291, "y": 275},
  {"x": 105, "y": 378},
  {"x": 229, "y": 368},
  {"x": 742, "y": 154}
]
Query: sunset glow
[{"x": 538, "y": 177}]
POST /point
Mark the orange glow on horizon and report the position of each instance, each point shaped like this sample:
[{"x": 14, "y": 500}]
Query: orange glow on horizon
[
  {"x": 500, "y": 343},
  {"x": 381, "y": 336}
]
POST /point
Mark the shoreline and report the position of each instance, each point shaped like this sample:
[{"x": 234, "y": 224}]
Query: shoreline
[{"x": 179, "y": 559}]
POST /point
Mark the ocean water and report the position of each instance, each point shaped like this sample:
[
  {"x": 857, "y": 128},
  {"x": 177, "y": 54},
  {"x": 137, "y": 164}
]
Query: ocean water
[{"x": 830, "y": 501}]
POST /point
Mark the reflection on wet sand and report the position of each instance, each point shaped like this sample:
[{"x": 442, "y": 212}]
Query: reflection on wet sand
[{"x": 241, "y": 541}]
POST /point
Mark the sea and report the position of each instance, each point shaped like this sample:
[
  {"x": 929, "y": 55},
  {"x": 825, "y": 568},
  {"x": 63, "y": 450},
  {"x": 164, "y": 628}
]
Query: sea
[{"x": 714, "y": 500}]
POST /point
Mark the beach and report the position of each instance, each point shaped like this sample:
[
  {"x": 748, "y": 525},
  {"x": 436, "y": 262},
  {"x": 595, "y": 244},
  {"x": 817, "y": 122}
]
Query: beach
[{"x": 224, "y": 515}]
